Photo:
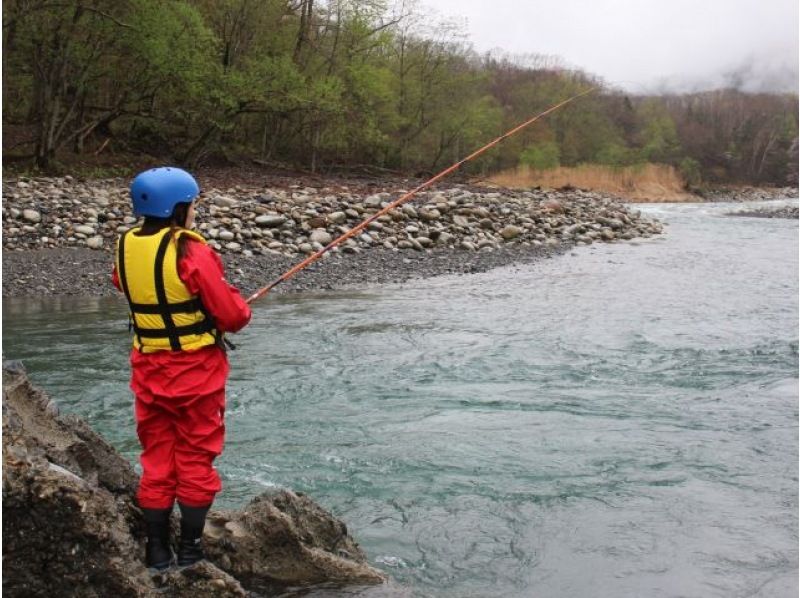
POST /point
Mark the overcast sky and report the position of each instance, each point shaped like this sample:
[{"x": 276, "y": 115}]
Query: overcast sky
[{"x": 646, "y": 45}]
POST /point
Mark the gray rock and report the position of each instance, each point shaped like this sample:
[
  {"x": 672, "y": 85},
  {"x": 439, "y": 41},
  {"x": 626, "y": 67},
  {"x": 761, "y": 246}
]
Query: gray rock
[
  {"x": 226, "y": 235},
  {"x": 270, "y": 220},
  {"x": 95, "y": 243},
  {"x": 444, "y": 238},
  {"x": 459, "y": 220},
  {"x": 373, "y": 201},
  {"x": 409, "y": 211},
  {"x": 31, "y": 215},
  {"x": 429, "y": 215},
  {"x": 225, "y": 201},
  {"x": 233, "y": 246},
  {"x": 321, "y": 236},
  {"x": 84, "y": 229},
  {"x": 510, "y": 232},
  {"x": 337, "y": 217}
]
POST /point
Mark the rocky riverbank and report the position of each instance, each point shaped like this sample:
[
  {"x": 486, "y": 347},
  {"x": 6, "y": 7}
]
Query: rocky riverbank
[
  {"x": 785, "y": 212},
  {"x": 71, "y": 527},
  {"x": 58, "y": 232},
  {"x": 742, "y": 194}
]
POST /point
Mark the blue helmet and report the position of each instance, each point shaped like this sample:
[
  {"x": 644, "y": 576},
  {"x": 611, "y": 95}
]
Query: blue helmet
[{"x": 157, "y": 191}]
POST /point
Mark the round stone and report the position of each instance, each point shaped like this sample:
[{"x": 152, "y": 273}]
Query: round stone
[
  {"x": 373, "y": 201},
  {"x": 430, "y": 215},
  {"x": 31, "y": 215},
  {"x": 321, "y": 236},
  {"x": 95, "y": 243},
  {"x": 444, "y": 238},
  {"x": 510, "y": 232}
]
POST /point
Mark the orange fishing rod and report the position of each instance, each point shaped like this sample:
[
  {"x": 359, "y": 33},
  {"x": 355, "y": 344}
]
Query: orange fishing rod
[{"x": 357, "y": 229}]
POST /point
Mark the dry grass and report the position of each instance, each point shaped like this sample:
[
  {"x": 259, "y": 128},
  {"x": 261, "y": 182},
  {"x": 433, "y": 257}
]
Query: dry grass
[{"x": 646, "y": 183}]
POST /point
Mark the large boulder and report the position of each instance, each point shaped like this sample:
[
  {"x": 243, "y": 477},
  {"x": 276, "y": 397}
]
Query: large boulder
[{"x": 71, "y": 527}]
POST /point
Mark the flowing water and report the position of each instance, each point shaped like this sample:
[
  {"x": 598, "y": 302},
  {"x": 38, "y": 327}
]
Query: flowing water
[{"x": 618, "y": 421}]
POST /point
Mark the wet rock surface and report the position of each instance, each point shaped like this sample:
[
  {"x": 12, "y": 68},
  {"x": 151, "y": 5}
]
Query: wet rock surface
[
  {"x": 71, "y": 527},
  {"x": 58, "y": 233}
]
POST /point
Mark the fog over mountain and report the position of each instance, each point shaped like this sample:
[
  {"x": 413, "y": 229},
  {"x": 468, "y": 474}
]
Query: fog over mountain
[{"x": 655, "y": 46}]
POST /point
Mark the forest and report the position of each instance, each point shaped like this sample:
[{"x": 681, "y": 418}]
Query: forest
[{"x": 345, "y": 84}]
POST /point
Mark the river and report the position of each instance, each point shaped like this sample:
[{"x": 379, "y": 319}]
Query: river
[{"x": 621, "y": 420}]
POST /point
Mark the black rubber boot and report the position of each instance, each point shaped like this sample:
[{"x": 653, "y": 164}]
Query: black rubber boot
[
  {"x": 190, "y": 548},
  {"x": 158, "y": 554}
]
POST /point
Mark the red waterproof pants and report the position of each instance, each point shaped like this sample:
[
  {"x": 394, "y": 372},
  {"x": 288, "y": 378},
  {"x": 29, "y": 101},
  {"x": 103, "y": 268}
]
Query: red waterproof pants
[{"x": 180, "y": 409}]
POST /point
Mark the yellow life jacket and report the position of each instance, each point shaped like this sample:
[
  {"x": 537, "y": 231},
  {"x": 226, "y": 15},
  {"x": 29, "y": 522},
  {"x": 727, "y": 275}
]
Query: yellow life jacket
[{"x": 164, "y": 314}]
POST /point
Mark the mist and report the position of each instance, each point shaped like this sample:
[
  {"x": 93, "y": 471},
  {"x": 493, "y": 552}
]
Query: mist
[{"x": 646, "y": 47}]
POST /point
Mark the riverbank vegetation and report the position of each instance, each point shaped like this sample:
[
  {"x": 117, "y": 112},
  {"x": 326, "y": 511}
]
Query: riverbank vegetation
[{"x": 344, "y": 85}]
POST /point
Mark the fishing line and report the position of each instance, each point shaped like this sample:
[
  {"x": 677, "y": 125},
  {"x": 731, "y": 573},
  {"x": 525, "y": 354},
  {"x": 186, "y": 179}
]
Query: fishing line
[{"x": 358, "y": 228}]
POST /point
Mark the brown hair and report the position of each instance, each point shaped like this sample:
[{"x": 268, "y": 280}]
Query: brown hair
[{"x": 152, "y": 225}]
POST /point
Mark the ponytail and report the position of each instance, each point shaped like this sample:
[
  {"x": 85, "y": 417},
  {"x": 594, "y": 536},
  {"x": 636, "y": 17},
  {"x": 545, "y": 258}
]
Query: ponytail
[{"x": 152, "y": 225}]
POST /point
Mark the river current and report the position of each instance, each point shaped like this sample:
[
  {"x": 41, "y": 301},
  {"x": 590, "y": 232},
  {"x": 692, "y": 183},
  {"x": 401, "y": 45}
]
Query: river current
[{"x": 621, "y": 420}]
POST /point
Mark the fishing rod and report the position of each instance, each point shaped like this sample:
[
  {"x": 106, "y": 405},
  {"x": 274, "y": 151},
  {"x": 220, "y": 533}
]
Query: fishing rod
[{"x": 357, "y": 229}]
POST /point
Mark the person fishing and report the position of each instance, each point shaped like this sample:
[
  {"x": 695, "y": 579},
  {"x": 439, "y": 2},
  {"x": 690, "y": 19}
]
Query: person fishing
[{"x": 180, "y": 307}]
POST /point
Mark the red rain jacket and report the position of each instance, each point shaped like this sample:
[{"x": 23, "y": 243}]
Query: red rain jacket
[{"x": 176, "y": 373}]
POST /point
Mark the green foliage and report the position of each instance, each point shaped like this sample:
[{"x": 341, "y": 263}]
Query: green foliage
[
  {"x": 541, "y": 156},
  {"x": 690, "y": 171},
  {"x": 345, "y": 83},
  {"x": 616, "y": 154},
  {"x": 659, "y": 138}
]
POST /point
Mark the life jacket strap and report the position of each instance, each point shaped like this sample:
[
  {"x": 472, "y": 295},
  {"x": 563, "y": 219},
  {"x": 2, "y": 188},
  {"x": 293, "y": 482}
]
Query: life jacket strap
[
  {"x": 196, "y": 328},
  {"x": 184, "y": 307}
]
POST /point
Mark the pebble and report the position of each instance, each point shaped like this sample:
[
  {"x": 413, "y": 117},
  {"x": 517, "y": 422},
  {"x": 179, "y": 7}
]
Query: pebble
[
  {"x": 270, "y": 220},
  {"x": 510, "y": 232},
  {"x": 320, "y": 236},
  {"x": 31, "y": 215},
  {"x": 95, "y": 242}
]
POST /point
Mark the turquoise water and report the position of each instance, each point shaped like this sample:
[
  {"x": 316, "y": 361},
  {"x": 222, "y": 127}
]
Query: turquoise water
[{"x": 618, "y": 421}]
